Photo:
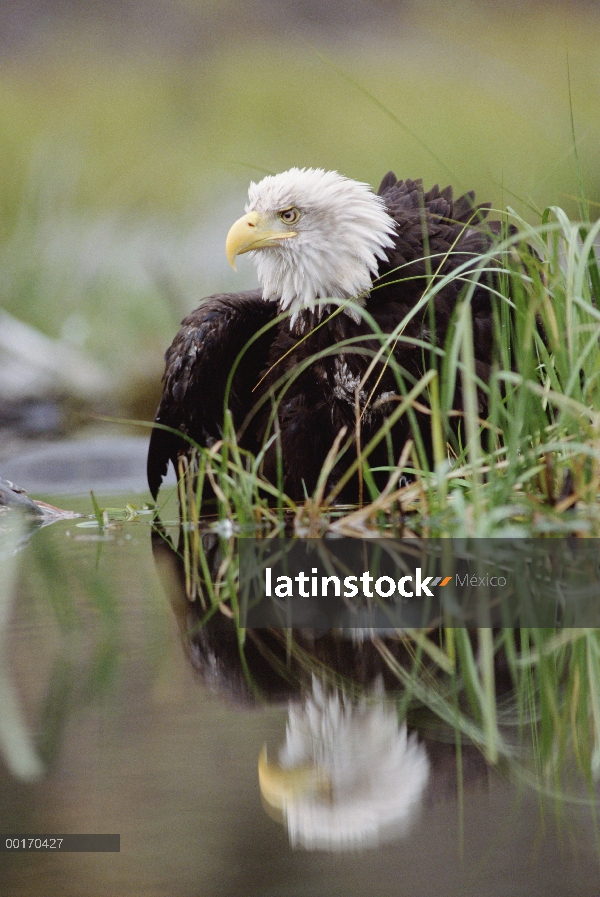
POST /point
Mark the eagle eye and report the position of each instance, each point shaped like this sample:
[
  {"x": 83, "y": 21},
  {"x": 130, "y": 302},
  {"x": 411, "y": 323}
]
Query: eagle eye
[{"x": 289, "y": 216}]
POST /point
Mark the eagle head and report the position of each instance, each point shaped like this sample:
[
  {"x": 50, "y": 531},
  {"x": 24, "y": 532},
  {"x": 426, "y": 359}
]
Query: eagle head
[{"x": 314, "y": 235}]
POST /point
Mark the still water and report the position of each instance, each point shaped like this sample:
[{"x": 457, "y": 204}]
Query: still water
[{"x": 120, "y": 714}]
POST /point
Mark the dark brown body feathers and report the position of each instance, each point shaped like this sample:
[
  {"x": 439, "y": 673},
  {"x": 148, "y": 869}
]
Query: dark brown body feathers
[{"x": 198, "y": 363}]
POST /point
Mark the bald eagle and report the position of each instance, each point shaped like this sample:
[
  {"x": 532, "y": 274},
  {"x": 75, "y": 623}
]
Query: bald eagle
[{"x": 337, "y": 334}]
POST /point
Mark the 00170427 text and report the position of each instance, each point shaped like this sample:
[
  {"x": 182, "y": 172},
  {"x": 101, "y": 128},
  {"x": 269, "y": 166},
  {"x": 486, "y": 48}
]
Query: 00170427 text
[{"x": 33, "y": 843}]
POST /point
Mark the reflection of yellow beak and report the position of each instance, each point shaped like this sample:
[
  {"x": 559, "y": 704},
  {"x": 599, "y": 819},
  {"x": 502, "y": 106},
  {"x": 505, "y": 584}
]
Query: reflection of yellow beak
[
  {"x": 249, "y": 232},
  {"x": 280, "y": 786}
]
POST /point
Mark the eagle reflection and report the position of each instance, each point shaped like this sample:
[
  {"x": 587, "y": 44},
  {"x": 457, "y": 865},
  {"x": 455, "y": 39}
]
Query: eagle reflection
[{"x": 349, "y": 774}]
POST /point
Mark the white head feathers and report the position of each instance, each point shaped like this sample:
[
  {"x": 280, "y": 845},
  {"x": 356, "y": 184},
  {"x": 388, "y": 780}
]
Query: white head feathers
[{"x": 342, "y": 231}]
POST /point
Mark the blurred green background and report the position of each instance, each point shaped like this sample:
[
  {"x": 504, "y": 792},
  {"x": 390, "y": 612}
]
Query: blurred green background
[{"x": 129, "y": 132}]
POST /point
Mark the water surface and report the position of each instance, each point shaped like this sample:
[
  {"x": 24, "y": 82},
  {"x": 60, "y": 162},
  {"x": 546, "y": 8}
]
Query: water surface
[{"x": 130, "y": 739}]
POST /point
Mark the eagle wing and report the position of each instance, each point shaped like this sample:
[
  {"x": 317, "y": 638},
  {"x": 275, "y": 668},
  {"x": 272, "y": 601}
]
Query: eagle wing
[
  {"x": 198, "y": 364},
  {"x": 435, "y": 234}
]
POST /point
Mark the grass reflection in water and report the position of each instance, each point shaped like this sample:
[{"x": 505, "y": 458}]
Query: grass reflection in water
[{"x": 525, "y": 698}]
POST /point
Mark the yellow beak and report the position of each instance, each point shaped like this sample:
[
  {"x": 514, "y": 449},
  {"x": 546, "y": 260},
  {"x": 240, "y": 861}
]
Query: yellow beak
[
  {"x": 249, "y": 232},
  {"x": 280, "y": 786}
]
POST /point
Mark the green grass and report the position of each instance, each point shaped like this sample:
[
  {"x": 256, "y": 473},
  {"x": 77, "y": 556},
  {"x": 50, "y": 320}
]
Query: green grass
[{"x": 531, "y": 468}]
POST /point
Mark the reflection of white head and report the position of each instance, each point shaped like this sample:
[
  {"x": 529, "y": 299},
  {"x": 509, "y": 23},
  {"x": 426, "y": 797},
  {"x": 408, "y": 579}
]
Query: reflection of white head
[{"x": 348, "y": 775}]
